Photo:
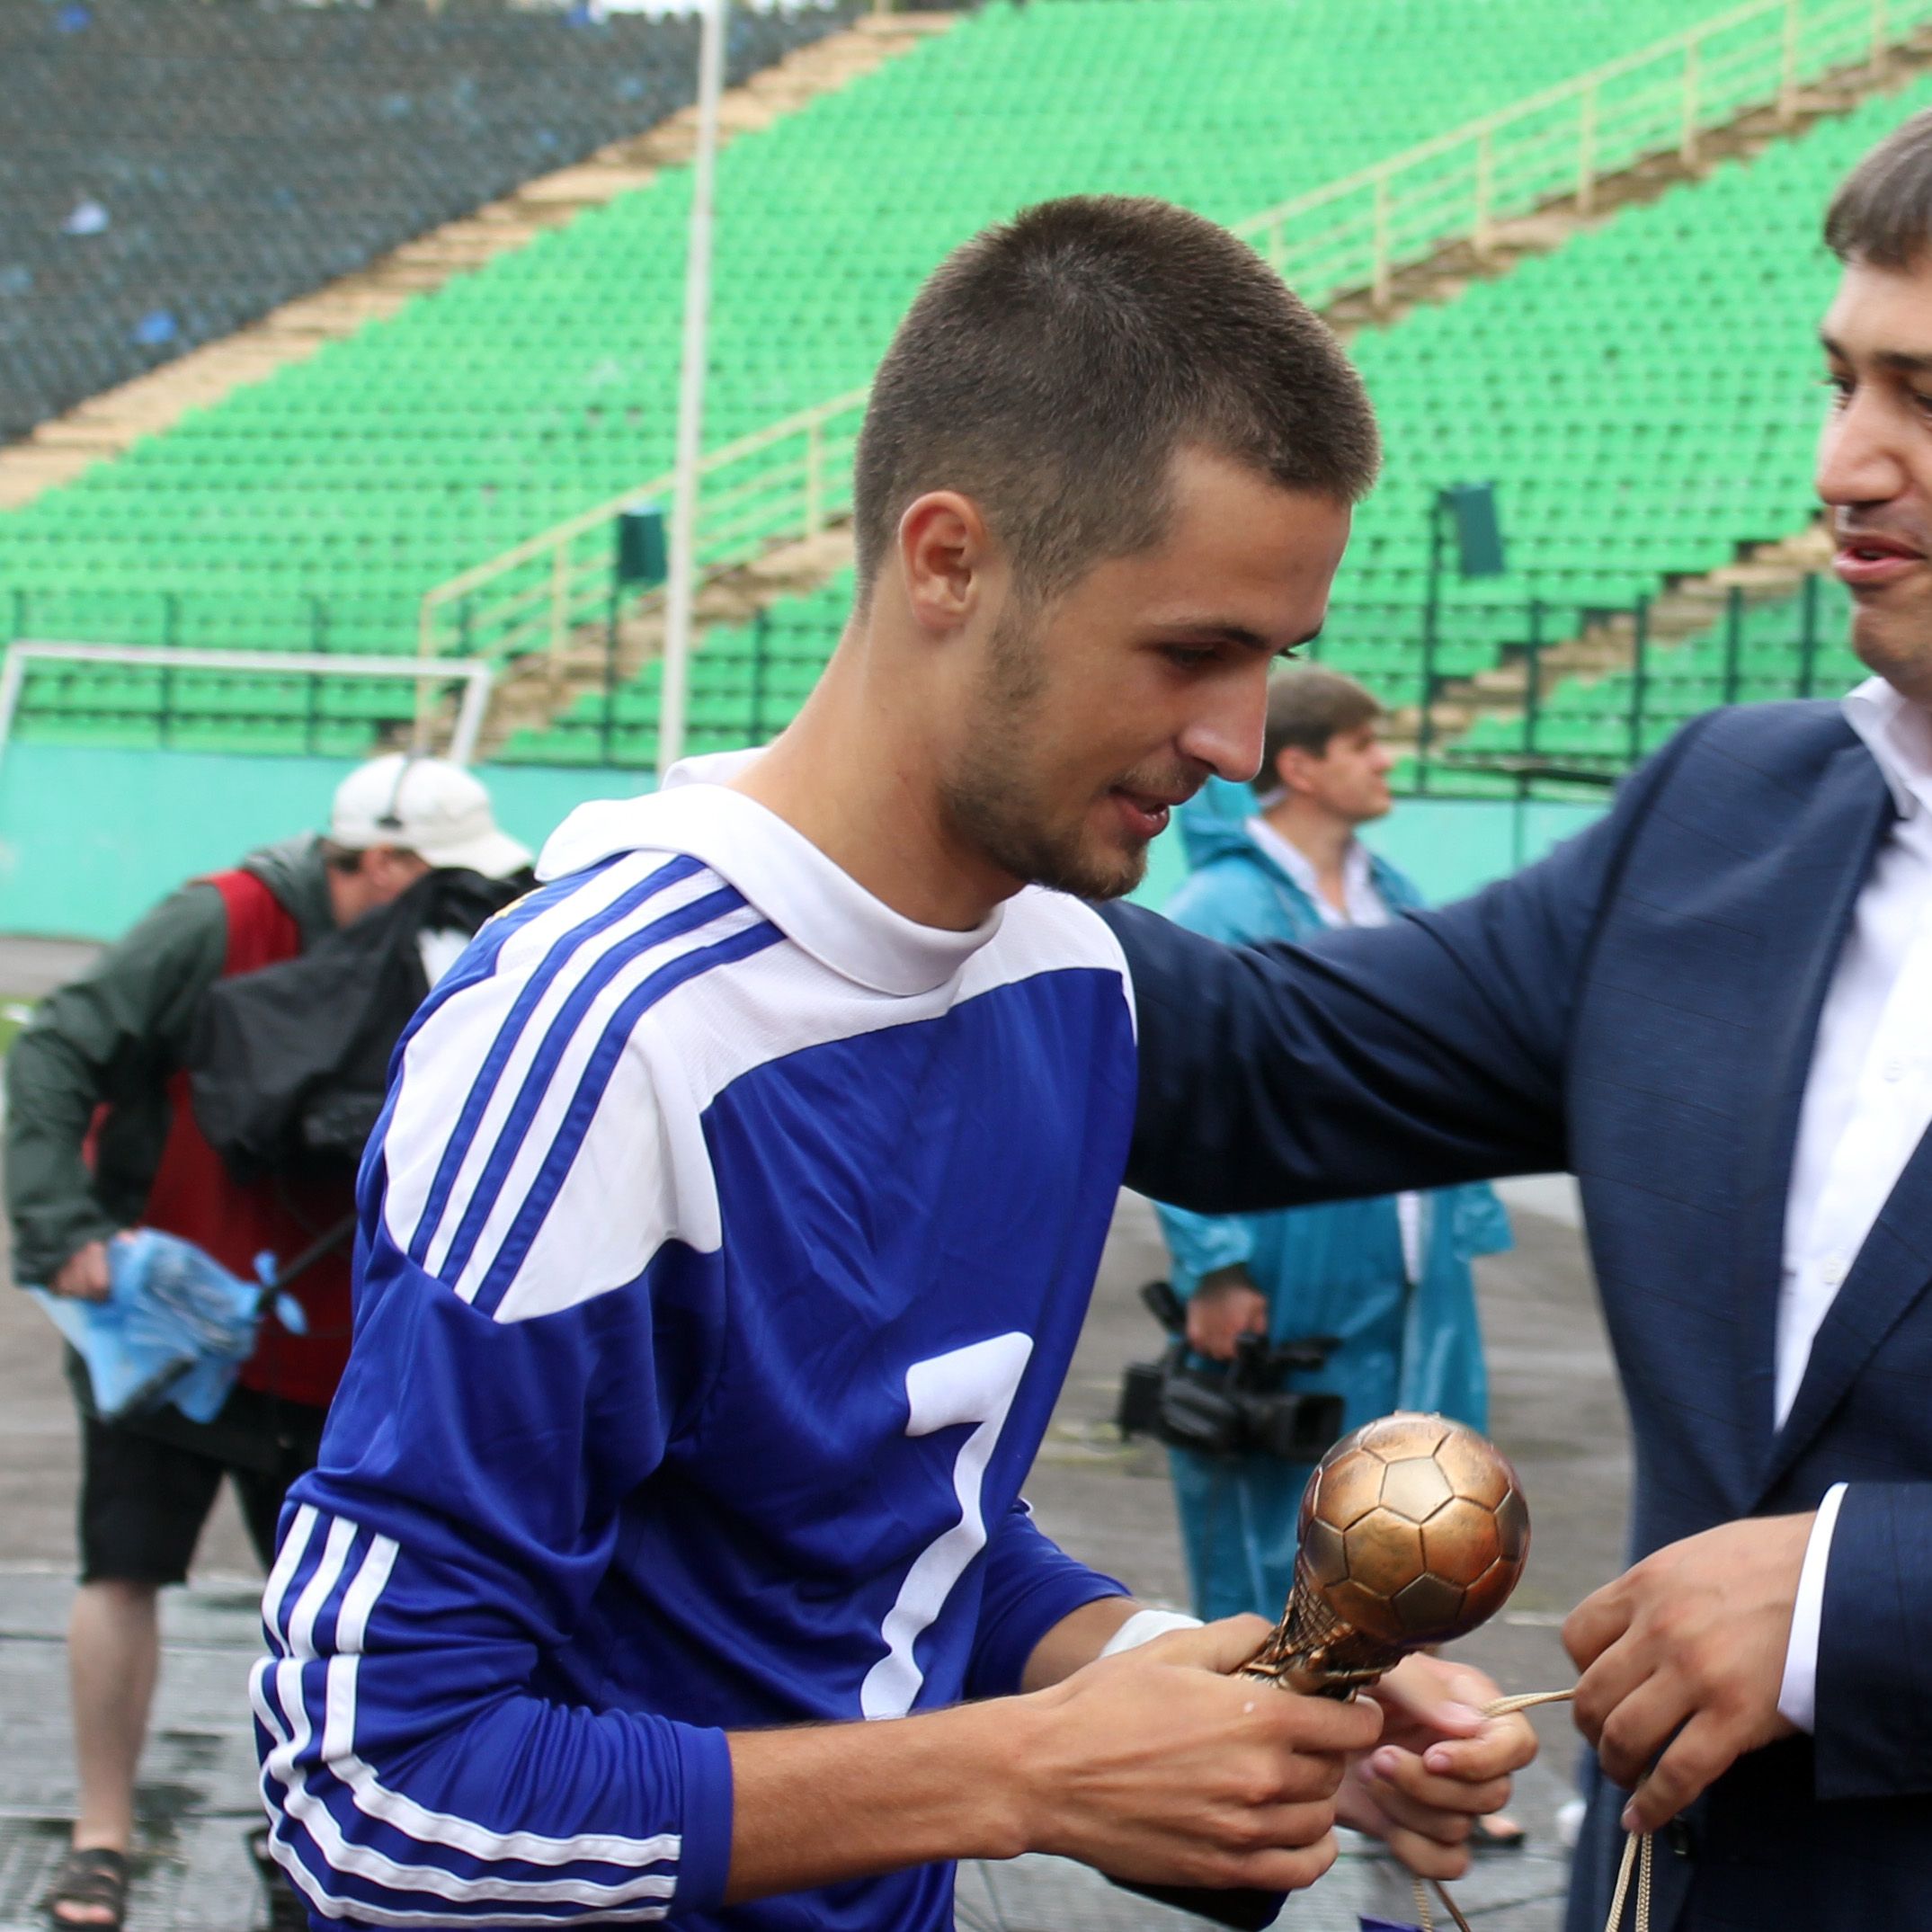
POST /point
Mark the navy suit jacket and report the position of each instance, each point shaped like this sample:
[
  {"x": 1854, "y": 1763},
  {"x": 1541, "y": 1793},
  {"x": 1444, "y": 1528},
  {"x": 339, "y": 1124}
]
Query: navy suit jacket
[{"x": 1638, "y": 1008}]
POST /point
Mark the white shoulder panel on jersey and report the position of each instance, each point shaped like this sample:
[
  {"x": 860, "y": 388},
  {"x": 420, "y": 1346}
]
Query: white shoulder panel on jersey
[
  {"x": 1046, "y": 932},
  {"x": 513, "y": 1068},
  {"x": 715, "y": 1030},
  {"x": 487, "y": 1088}
]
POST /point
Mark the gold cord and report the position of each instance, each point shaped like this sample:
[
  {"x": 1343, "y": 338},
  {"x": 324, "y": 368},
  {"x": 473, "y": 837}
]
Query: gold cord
[{"x": 1639, "y": 1846}]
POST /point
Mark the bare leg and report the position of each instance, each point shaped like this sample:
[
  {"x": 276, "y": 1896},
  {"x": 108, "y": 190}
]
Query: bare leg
[{"x": 113, "y": 1652}]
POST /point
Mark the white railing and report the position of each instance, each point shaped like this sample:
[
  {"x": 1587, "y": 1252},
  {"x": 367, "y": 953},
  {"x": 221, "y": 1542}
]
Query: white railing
[
  {"x": 1356, "y": 233},
  {"x": 789, "y": 480},
  {"x": 475, "y": 675}
]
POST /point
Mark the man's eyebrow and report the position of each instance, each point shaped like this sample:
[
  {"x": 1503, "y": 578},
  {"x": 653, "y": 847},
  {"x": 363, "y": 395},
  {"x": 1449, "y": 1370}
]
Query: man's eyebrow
[
  {"x": 1904, "y": 362},
  {"x": 1242, "y": 636}
]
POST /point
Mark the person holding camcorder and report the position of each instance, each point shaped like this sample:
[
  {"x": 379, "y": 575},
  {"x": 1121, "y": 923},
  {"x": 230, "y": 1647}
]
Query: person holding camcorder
[{"x": 1293, "y": 1327}]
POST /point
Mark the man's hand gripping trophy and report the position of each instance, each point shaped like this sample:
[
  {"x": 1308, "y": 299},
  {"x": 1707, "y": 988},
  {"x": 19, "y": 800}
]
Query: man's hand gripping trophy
[{"x": 1413, "y": 1532}]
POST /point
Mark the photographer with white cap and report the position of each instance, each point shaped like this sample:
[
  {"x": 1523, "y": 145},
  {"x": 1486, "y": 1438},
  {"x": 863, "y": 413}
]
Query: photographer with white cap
[
  {"x": 401, "y": 815},
  {"x": 100, "y": 1139}
]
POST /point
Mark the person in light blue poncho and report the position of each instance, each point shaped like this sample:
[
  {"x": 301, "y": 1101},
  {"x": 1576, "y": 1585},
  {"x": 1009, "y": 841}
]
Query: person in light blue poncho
[{"x": 1388, "y": 1277}]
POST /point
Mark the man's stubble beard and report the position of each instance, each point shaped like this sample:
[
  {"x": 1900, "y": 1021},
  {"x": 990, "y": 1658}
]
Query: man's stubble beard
[
  {"x": 1897, "y": 644},
  {"x": 992, "y": 798}
]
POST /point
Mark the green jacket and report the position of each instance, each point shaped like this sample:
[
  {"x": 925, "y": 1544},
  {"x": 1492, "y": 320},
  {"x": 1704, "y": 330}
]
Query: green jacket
[{"x": 117, "y": 1035}]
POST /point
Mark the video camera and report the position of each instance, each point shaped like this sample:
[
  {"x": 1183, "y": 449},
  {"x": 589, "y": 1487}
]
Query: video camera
[{"x": 1240, "y": 1409}]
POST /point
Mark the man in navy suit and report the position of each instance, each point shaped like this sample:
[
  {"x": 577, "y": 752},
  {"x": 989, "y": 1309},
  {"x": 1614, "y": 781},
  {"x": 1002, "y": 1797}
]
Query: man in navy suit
[{"x": 1715, "y": 1007}]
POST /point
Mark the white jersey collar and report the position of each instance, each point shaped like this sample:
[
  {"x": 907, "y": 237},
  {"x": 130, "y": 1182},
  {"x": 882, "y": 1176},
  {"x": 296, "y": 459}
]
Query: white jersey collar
[{"x": 821, "y": 909}]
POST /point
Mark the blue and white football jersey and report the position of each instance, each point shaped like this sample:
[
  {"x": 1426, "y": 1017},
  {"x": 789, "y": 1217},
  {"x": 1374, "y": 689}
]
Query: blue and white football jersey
[{"x": 724, "y": 1244}]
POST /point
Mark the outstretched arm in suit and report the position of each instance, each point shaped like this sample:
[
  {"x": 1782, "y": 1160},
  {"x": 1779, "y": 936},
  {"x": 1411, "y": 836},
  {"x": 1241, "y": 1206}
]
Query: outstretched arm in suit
[{"x": 1417, "y": 1054}]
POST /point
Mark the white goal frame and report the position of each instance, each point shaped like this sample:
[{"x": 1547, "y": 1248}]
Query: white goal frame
[{"x": 476, "y": 676}]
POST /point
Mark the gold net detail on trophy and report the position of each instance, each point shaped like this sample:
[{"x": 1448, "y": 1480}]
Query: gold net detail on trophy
[{"x": 1413, "y": 1532}]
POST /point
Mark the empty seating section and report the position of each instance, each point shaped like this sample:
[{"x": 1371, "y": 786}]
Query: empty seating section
[
  {"x": 1644, "y": 397},
  {"x": 171, "y": 169},
  {"x": 332, "y": 496},
  {"x": 1793, "y": 647},
  {"x": 746, "y": 685}
]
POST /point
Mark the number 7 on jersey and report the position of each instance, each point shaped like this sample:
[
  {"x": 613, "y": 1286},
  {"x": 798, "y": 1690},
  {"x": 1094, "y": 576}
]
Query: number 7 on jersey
[{"x": 975, "y": 1383}]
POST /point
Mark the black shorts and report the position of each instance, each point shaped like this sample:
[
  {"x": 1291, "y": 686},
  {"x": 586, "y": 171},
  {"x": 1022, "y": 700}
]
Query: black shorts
[{"x": 147, "y": 1487}]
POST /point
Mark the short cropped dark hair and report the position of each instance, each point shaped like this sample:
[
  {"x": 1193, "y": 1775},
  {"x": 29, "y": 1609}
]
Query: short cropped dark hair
[
  {"x": 1051, "y": 367},
  {"x": 1883, "y": 211},
  {"x": 1307, "y": 705}
]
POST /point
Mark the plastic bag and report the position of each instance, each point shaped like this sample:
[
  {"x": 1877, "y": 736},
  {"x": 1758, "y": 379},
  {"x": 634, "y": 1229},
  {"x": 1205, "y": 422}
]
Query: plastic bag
[{"x": 176, "y": 1326}]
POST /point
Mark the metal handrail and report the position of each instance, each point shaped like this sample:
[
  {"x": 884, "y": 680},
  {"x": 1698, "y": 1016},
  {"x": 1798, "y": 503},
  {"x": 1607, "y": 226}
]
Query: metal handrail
[
  {"x": 1455, "y": 186},
  {"x": 548, "y": 544},
  {"x": 1480, "y": 167}
]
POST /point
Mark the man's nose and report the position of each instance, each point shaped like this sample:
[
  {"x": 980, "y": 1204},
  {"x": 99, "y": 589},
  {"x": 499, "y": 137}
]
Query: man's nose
[
  {"x": 1225, "y": 734},
  {"x": 1859, "y": 457}
]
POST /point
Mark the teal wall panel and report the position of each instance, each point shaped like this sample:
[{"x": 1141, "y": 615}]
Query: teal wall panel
[
  {"x": 1451, "y": 846},
  {"x": 90, "y": 838}
]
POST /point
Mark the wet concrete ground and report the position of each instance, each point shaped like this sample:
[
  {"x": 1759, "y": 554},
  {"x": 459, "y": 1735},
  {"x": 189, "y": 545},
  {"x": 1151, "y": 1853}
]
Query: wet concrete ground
[{"x": 1555, "y": 1409}]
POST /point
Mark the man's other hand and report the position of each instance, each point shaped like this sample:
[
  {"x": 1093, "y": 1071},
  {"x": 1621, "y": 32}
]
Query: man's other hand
[
  {"x": 1224, "y": 1307},
  {"x": 1440, "y": 1766},
  {"x": 1684, "y": 1655},
  {"x": 1160, "y": 1764},
  {"x": 83, "y": 1277}
]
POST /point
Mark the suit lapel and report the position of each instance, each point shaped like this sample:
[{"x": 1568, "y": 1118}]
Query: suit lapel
[{"x": 1815, "y": 874}]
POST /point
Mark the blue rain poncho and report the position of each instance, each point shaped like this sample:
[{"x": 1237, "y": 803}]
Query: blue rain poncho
[{"x": 1334, "y": 1270}]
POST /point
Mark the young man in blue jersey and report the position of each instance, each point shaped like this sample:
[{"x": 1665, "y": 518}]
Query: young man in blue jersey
[{"x": 731, "y": 1220}]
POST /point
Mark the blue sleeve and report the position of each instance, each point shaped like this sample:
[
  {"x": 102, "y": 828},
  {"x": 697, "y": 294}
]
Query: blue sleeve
[
  {"x": 1031, "y": 1585},
  {"x": 1873, "y": 1731},
  {"x": 1201, "y": 1244},
  {"x": 1420, "y": 1054},
  {"x": 416, "y": 1766},
  {"x": 1481, "y": 1223},
  {"x": 1216, "y": 904}
]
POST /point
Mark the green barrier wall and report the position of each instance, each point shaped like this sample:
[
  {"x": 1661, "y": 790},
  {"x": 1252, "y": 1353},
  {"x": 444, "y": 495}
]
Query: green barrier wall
[{"x": 89, "y": 839}]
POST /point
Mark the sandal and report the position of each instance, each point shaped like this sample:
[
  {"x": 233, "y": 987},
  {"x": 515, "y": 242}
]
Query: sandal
[
  {"x": 95, "y": 1878},
  {"x": 1497, "y": 1833}
]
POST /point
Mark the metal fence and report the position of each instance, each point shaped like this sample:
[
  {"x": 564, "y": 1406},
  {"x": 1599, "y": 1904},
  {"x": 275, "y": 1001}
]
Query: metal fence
[
  {"x": 1356, "y": 232},
  {"x": 784, "y": 482},
  {"x": 1552, "y": 729},
  {"x": 1481, "y": 699}
]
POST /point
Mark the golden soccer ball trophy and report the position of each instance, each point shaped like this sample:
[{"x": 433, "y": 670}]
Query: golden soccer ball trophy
[{"x": 1413, "y": 1532}]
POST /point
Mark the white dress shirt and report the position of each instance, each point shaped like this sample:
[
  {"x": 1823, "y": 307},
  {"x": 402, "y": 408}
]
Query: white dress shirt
[
  {"x": 1868, "y": 1105},
  {"x": 1361, "y": 906}
]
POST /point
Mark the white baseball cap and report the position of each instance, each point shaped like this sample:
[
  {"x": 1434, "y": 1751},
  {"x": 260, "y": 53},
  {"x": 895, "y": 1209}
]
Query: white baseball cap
[{"x": 425, "y": 806}]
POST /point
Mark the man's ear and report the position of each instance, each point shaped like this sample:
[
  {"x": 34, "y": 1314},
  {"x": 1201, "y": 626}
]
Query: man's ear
[
  {"x": 945, "y": 552},
  {"x": 1290, "y": 770}
]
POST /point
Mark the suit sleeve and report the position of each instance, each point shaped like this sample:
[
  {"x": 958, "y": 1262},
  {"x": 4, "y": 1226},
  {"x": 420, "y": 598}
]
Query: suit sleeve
[
  {"x": 513, "y": 1379},
  {"x": 1419, "y": 1054},
  {"x": 1871, "y": 1724}
]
